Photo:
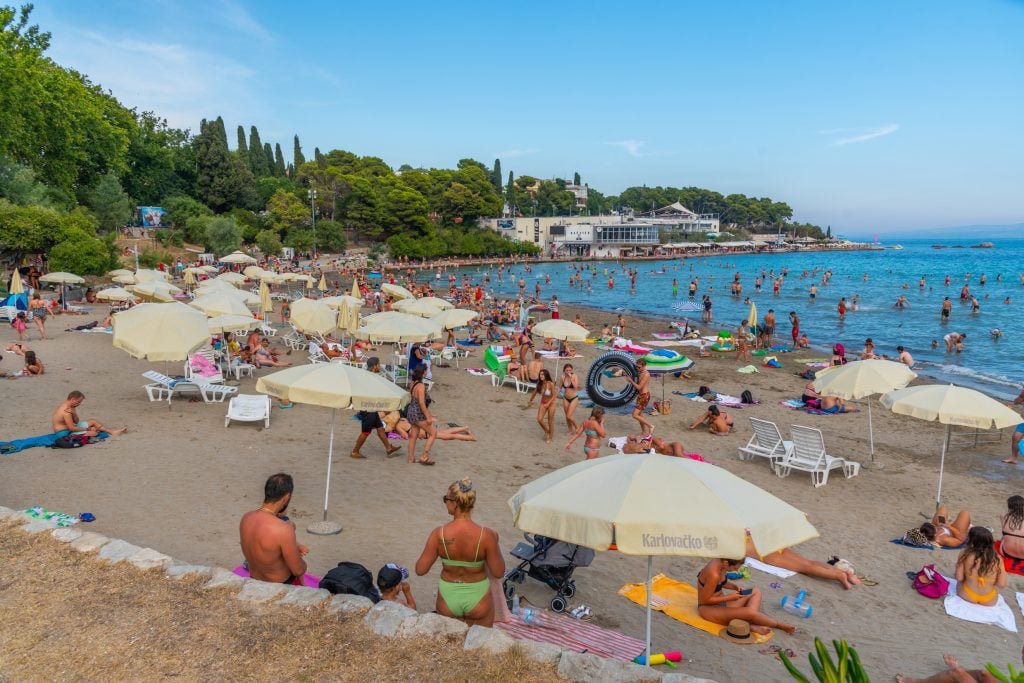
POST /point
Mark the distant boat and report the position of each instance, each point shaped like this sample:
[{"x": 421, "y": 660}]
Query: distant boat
[
  {"x": 896, "y": 246},
  {"x": 938, "y": 246},
  {"x": 983, "y": 245}
]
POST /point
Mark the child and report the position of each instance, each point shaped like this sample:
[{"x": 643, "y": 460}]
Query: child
[
  {"x": 390, "y": 579},
  {"x": 20, "y": 324},
  {"x": 703, "y": 353}
]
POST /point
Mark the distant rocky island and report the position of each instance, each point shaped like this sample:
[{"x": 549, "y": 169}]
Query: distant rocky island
[{"x": 980, "y": 245}]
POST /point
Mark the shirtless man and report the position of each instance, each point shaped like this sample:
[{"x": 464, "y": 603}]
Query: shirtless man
[
  {"x": 65, "y": 419},
  {"x": 955, "y": 340},
  {"x": 768, "y": 330},
  {"x": 947, "y": 308},
  {"x": 531, "y": 371},
  {"x": 904, "y": 357},
  {"x": 718, "y": 421},
  {"x": 268, "y": 541}
]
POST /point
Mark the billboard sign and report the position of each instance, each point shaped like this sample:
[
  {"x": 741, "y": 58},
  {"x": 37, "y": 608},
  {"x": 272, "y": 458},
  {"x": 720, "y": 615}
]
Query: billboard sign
[{"x": 151, "y": 216}]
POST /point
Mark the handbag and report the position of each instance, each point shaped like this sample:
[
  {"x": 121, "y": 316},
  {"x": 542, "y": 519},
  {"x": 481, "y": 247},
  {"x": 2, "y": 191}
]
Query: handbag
[{"x": 930, "y": 583}]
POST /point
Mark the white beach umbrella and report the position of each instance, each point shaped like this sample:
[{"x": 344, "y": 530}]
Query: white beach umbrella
[
  {"x": 156, "y": 290},
  {"x": 62, "y": 279},
  {"x": 150, "y": 275},
  {"x": 231, "y": 323},
  {"x": 237, "y": 257},
  {"x": 160, "y": 331},
  {"x": 397, "y": 291},
  {"x": 652, "y": 505},
  {"x": 220, "y": 303},
  {"x": 114, "y": 294},
  {"x": 313, "y": 317},
  {"x": 253, "y": 272},
  {"x": 453, "y": 318},
  {"x": 231, "y": 278},
  {"x": 333, "y": 385},
  {"x": 119, "y": 271},
  {"x": 562, "y": 330},
  {"x": 400, "y": 328},
  {"x": 420, "y": 307}
]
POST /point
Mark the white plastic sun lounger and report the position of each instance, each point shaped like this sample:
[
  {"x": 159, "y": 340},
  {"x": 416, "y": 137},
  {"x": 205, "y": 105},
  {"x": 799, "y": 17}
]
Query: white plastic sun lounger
[{"x": 249, "y": 408}]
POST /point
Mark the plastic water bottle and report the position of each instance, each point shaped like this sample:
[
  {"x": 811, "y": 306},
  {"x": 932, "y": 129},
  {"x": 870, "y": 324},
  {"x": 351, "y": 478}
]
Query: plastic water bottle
[
  {"x": 796, "y": 606},
  {"x": 515, "y": 604},
  {"x": 533, "y": 617}
]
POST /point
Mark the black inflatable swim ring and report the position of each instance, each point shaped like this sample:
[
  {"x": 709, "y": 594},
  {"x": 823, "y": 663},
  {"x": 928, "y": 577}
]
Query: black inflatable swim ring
[{"x": 611, "y": 364}]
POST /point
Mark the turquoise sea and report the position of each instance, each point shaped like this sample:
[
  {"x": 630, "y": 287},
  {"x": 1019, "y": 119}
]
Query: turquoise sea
[{"x": 989, "y": 363}]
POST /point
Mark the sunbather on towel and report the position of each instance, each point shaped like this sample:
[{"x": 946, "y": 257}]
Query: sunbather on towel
[
  {"x": 788, "y": 559},
  {"x": 954, "y": 674},
  {"x": 717, "y": 420},
  {"x": 941, "y": 532},
  {"x": 832, "y": 404},
  {"x": 263, "y": 356},
  {"x": 721, "y": 608},
  {"x": 65, "y": 419},
  {"x": 979, "y": 569}
]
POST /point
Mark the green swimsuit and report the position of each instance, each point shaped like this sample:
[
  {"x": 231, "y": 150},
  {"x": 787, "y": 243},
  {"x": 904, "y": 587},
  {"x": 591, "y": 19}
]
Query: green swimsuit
[{"x": 460, "y": 596}]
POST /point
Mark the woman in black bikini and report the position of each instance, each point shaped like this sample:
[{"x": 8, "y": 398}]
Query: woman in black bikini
[
  {"x": 1012, "y": 543},
  {"x": 721, "y": 608},
  {"x": 570, "y": 395},
  {"x": 419, "y": 416}
]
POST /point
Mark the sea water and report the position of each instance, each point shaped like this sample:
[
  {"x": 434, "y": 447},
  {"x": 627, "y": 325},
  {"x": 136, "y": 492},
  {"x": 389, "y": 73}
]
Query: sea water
[{"x": 988, "y": 363}]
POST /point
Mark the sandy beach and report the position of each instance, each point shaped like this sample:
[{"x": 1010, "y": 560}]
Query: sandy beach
[{"x": 179, "y": 482}]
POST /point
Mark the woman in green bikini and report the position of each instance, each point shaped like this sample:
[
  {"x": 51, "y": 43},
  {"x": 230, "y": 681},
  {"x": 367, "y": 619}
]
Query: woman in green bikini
[
  {"x": 469, "y": 556},
  {"x": 593, "y": 427}
]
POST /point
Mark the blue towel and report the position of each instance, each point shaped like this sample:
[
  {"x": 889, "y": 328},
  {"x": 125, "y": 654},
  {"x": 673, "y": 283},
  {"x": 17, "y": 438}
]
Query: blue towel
[
  {"x": 900, "y": 541},
  {"x": 467, "y": 342},
  {"x": 8, "y": 447}
]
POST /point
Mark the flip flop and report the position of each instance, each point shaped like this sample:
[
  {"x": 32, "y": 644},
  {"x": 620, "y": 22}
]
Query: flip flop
[
  {"x": 357, "y": 455},
  {"x": 427, "y": 462},
  {"x": 285, "y": 406},
  {"x": 392, "y": 452},
  {"x": 770, "y": 650},
  {"x": 867, "y": 580}
]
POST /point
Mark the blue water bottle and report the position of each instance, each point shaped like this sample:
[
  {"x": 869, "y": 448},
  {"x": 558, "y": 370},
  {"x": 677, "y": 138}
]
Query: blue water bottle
[
  {"x": 533, "y": 617},
  {"x": 796, "y": 606}
]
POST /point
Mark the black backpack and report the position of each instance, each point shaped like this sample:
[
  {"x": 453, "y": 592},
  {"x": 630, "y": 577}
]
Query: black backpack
[
  {"x": 350, "y": 578},
  {"x": 746, "y": 396}
]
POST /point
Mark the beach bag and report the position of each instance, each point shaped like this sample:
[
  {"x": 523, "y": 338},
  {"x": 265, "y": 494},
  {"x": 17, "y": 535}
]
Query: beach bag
[
  {"x": 65, "y": 442},
  {"x": 703, "y": 390},
  {"x": 746, "y": 396},
  {"x": 930, "y": 583},
  {"x": 350, "y": 578}
]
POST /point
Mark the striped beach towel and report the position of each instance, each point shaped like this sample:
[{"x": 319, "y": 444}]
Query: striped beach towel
[{"x": 572, "y": 634}]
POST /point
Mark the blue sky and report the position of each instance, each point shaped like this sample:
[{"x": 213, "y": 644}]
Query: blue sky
[{"x": 867, "y": 116}]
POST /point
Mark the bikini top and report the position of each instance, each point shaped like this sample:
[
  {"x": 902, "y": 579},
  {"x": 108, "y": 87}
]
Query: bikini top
[
  {"x": 590, "y": 432},
  {"x": 718, "y": 586},
  {"x": 1010, "y": 533},
  {"x": 449, "y": 562}
]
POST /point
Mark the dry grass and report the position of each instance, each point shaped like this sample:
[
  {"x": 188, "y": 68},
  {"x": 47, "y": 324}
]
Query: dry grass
[{"x": 68, "y": 616}]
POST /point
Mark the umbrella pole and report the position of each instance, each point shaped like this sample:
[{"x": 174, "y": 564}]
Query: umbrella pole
[
  {"x": 647, "y": 649},
  {"x": 942, "y": 465},
  {"x": 871, "y": 432},
  {"x": 323, "y": 527}
]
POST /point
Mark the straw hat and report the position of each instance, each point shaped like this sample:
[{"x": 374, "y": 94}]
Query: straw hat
[{"x": 738, "y": 631}]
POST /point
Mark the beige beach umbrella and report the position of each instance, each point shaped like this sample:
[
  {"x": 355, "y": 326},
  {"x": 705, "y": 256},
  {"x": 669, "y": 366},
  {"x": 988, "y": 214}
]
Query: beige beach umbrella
[
  {"x": 150, "y": 275},
  {"x": 322, "y": 285},
  {"x": 209, "y": 270},
  {"x": 158, "y": 332},
  {"x": 220, "y": 303},
  {"x": 355, "y": 289},
  {"x": 231, "y": 323},
  {"x": 237, "y": 257},
  {"x": 253, "y": 272},
  {"x": 231, "y": 278},
  {"x": 860, "y": 379},
  {"x": 62, "y": 278},
  {"x": 190, "y": 277},
  {"x": 115, "y": 294},
  {"x": 373, "y": 318},
  {"x": 313, "y": 317},
  {"x": 334, "y": 386},
  {"x": 308, "y": 280},
  {"x": 399, "y": 328},
  {"x": 155, "y": 290},
  {"x": 16, "y": 286},
  {"x": 950, "y": 405},
  {"x": 119, "y": 271},
  {"x": 216, "y": 284},
  {"x": 397, "y": 291},
  {"x": 338, "y": 301},
  {"x": 455, "y": 317},
  {"x": 124, "y": 279},
  {"x": 436, "y": 302},
  {"x": 652, "y": 505},
  {"x": 563, "y": 330},
  {"x": 420, "y": 307},
  {"x": 266, "y": 303}
]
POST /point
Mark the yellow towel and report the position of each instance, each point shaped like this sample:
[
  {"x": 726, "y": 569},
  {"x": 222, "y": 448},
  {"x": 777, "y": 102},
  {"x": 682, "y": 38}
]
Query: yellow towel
[{"x": 678, "y": 600}]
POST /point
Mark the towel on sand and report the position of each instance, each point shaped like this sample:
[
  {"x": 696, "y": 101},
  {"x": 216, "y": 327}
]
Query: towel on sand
[
  {"x": 904, "y": 542},
  {"x": 1013, "y": 565},
  {"x": 678, "y": 600},
  {"x": 308, "y": 580},
  {"x": 998, "y": 614},
  {"x": 793, "y": 403},
  {"x": 8, "y": 447},
  {"x": 769, "y": 569},
  {"x": 619, "y": 442},
  {"x": 575, "y": 635},
  {"x": 747, "y": 369},
  {"x": 479, "y": 372},
  {"x": 54, "y": 519}
]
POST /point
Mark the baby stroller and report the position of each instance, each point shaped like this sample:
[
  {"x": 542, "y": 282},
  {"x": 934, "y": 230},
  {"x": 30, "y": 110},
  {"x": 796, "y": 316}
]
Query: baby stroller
[{"x": 549, "y": 561}]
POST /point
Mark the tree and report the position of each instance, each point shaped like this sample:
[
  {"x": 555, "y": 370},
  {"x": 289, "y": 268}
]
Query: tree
[
  {"x": 161, "y": 161},
  {"x": 828, "y": 232},
  {"x": 180, "y": 208},
  {"x": 269, "y": 242},
  {"x": 216, "y": 181},
  {"x": 223, "y": 236},
  {"x": 257, "y": 157},
  {"x": 576, "y": 178},
  {"x": 496, "y": 176},
  {"x": 330, "y": 236},
  {"x": 298, "y": 158},
  {"x": 248, "y": 196},
  {"x": 278, "y": 161},
  {"x": 243, "y": 149},
  {"x": 266, "y": 187},
  {"x": 18, "y": 184},
  {"x": 83, "y": 254},
  {"x": 285, "y": 212},
  {"x": 510, "y": 194},
  {"x": 110, "y": 204},
  {"x": 268, "y": 152},
  {"x": 28, "y": 229}
]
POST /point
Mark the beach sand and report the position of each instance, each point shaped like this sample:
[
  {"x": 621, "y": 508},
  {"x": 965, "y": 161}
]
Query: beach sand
[{"x": 179, "y": 482}]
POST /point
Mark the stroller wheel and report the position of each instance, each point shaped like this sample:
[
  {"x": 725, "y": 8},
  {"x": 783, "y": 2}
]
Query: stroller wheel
[
  {"x": 558, "y": 604},
  {"x": 569, "y": 590},
  {"x": 510, "y": 590}
]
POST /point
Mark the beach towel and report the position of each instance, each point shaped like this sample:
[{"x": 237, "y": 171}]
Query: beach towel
[
  {"x": 468, "y": 342},
  {"x": 792, "y": 403},
  {"x": 678, "y": 600},
  {"x": 55, "y": 519},
  {"x": 818, "y": 364},
  {"x": 904, "y": 542},
  {"x": 666, "y": 344},
  {"x": 308, "y": 580},
  {"x": 47, "y": 440},
  {"x": 769, "y": 569},
  {"x": 663, "y": 335},
  {"x": 479, "y": 372},
  {"x": 998, "y": 614},
  {"x": 572, "y": 634},
  {"x": 746, "y": 370},
  {"x": 1012, "y": 564},
  {"x": 619, "y": 442}
]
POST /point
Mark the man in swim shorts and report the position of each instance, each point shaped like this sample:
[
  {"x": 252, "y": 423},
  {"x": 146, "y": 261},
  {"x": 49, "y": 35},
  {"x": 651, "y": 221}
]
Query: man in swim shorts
[
  {"x": 947, "y": 308},
  {"x": 643, "y": 396},
  {"x": 65, "y": 419},
  {"x": 905, "y": 357},
  {"x": 267, "y": 537},
  {"x": 370, "y": 422}
]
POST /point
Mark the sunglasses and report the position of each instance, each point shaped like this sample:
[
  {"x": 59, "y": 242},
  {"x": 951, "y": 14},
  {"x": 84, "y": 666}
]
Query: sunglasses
[{"x": 446, "y": 499}]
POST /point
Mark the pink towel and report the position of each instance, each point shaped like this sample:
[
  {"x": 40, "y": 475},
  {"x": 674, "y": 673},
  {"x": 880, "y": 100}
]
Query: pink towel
[
  {"x": 573, "y": 634},
  {"x": 308, "y": 580}
]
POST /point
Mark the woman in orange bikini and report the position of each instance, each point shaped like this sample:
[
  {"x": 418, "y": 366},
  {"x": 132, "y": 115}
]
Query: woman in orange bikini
[{"x": 979, "y": 569}]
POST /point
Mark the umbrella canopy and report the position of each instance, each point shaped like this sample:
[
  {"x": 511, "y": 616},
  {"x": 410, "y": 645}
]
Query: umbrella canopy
[
  {"x": 399, "y": 327},
  {"x": 237, "y": 257},
  {"x": 190, "y": 277},
  {"x": 220, "y": 303},
  {"x": 253, "y": 272},
  {"x": 420, "y": 307},
  {"x": 355, "y": 288},
  {"x": 561, "y": 329},
  {"x": 950, "y": 405},
  {"x": 62, "y": 278},
  {"x": 231, "y": 278},
  {"x": 115, "y": 294},
  {"x": 863, "y": 378},
  {"x": 455, "y": 317},
  {"x": 149, "y": 275},
  {"x": 209, "y": 270},
  {"x": 313, "y": 317},
  {"x": 322, "y": 285},
  {"x": 124, "y": 279},
  {"x": 119, "y": 271},
  {"x": 224, "y": 289},
  {"x": 396, "y": 291},
  {"x": 266, "y": 303},
  {"x": 231, "y": 323},
  {"x": 653, "y": 505},
  {"x": 339, "y": 301},
  {"x": 16, "y": 286},
  {"x": 160, "y": 331},
  {"x": 333, "y": 385},
  {"x": 752, "y": 315},
  {"x": 155, "y": 290}
]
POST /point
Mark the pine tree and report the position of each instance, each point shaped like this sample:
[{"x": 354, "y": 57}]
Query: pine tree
[
  {"x": 243, "y": 149},
  {"x": 216, "y": 181},
  {"x": 279, "y": 169},
  {"x": 268, "y": 152},
  {"x": 257, "y": 157},
  {"x": 510, "y": 195},
  {"x": 298, "y": 159},
  {"x": 496, "y": 176}
]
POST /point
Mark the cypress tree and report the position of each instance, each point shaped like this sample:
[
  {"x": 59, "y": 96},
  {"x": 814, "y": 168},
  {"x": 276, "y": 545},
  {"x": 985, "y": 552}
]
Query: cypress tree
[
  {"x": 298, "y": 159},
  {"x": 279, "y": 169},
  {"x": 216, "y": 181},
  {"x": 222, "y": 132},
  {"x": 243, "y": 149},
  {"x": 321, "y": 161},
  {"x": 257, "y": 157},
  {"x": 510, "y": 194},
  {"x": 496, "y": 176},
  {"x": 268, "y": 152},
  {"x": 576, "y": 178}
]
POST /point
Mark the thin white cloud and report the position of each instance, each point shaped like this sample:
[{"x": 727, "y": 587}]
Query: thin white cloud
[
  {"x": 632, "y": 147},
  {"x": 518, "y": 152},
  {"x": 238, "y": 18},
  {"x": 882, "y": 131}
]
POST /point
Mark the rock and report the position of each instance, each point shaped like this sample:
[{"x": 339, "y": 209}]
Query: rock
[
  {"x": 627, "y": 671},
  {"x": 349, "y": 604},
  {"x": 433, "y": 625},
  {"x": 386, "y": 617},
  {"x": 574, "y": 666},
  {"x": 4, "y": 512},
  {"x": 677, "y": 677},
  {"x": 147, "y": 558},
  {"x": 67, "y": 534},
  {"x": 179, "y": 570},
  {"x": 260, "y": 591},
  {"x": 118, "y": 551},
  {"x": 15, "y": 515},
  {"x": 545, "y": 653},
  {"x": 89, "y": 541},
  {"x": 222, "y": 578},
  {"x": 37, "y": 525},
  {"x": 489, "y": 639},
  {"x": 303, "y": 596}
]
